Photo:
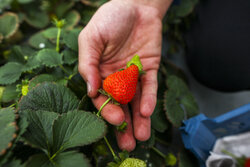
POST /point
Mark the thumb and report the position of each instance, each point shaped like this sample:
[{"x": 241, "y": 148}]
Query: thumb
[{"x": 88, "y": 63}]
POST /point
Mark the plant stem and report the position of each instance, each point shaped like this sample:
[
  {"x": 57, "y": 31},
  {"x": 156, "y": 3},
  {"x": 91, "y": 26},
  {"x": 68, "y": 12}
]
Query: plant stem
[
  {"x": 106, "y": 140},
  {"x": 61, "y": 66},
  {"x": 159, "y": 152},
  {"x": 228, "y": 153},
  {"x": 103, "y": 105},
  {"x": 109, "y": 146},
  {"x": 12, "y": 105},
  {"x": 58, "y": 39},
  {"x": 54, "y": 155}
]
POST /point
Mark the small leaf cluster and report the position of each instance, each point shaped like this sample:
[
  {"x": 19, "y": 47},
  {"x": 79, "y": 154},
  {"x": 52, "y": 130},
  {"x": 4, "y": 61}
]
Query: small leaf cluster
[{"x": 177, "y": 21}]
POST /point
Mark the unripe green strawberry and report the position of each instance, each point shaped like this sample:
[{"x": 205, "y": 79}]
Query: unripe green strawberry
[
  {"x": 121, "y": 85},
  {"x": 133, "y": 162}
]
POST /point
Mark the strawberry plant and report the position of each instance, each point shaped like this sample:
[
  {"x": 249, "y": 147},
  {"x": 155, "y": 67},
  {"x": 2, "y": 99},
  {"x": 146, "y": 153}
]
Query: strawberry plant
[{"x": 46, "y": 117}]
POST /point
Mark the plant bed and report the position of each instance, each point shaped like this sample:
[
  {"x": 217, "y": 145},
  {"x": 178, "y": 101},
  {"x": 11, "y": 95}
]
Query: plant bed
[{"x": 46, "y": 117}]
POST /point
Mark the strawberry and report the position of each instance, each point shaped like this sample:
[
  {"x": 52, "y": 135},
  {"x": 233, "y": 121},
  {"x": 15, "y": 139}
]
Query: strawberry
[
  {"x": 133, "y": 162},
  {"x": 121, "y": 85},
  {"x": 247, "y": 162}
]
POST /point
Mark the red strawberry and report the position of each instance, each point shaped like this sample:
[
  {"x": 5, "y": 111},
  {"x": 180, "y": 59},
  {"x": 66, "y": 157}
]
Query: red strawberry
[
  {"x": 247, "y": 162},
  {"x": 121, "y": 85}
]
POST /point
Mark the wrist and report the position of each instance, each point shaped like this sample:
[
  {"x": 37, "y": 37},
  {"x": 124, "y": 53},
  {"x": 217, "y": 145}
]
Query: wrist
[{"x": 160, "y": 5}]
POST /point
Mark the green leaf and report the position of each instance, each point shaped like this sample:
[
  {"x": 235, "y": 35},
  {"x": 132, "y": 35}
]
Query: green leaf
[
  {"x": 28, "y": 51},
  {"x": 38, "y": 41},
  {"x": 23, "y": 125},
  {"x": 40, "y": 79},
  {"x": 5, "y": 159},
  {"x": 9, "y": 24},
  {"x": 69, "y": 56},
  {"x": 14, "y": 163},
  {"x": 72, "y": 18},
  {"x": 10, "y": 73},
  {"x": 158, "y": 118},
  {"x": 32, "y": 63},
  {"x": 184, "y": 8},
  {"x": 49, "y": 97},
  {"x": 87, "y": 15},
  {"x": 71, "y": 40},
  {"x": 17, "y": 55},
  {"x": 39, "y": 131},
  {"x": 174, "y": 112},
  {"x": 65, "y": 159},
  {"x": 63, "y": 7},
  {"x": 50, "y": 33},
  {"x": 40, "y": 160},
  {"x": 5, "y": 3},
  {"x": 179, "y": 102},
  {"x": 53, "y": 133},
  {"x": 8, "y": 127},
  {"x": 9, "y": 93},
  {"x": 49, "y": 57},
  {"x": 24, "y": 1},
  {"x": 77, "y": 128},
  {"x": 37, "y": 19}
]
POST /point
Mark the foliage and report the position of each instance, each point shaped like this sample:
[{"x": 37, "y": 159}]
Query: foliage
[{"x": 46, "y": 117}]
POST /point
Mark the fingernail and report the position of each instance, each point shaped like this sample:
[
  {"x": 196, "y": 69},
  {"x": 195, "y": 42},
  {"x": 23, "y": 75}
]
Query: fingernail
[{"x": 88, "y": 88}]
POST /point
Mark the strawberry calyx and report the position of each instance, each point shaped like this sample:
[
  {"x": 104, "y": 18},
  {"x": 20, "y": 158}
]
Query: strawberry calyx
[
  {"x": 122, "y": 127},
  {"x": 136, "y": 61},
  {"x": 103, "y": 92}
]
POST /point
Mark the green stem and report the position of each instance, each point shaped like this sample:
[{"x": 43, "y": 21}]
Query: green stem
[
  {"x": 110, "y": 148},
  {"x": 58, "y": 39},
  {"x": 103, "y": 105},
  {"x": 12, "y": 105},
  {"x": 54, "y": 155},
  {"x": 159, "y": 152},
  {"x": 61, "y": 66},
  {"x": 228, "y": 153},
  {"x": 106, "y": 140}
]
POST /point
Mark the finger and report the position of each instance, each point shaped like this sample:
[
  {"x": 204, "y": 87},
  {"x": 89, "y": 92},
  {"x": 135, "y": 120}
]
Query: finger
[
  {"x": 142, "y": 125},
  {"x": 90, "y": 49},
  {"x": 111, "y": 112},
  {"x": 126, "y": 140},
  {"x": 149, "y": 93}
]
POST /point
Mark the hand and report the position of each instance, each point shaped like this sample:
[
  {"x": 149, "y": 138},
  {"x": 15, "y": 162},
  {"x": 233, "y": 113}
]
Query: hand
[{"x": 117, "y": 32}]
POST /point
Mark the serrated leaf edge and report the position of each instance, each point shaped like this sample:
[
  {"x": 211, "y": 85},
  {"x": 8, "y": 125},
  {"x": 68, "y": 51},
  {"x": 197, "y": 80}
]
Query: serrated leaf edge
[{"x": 14, "y": 135}]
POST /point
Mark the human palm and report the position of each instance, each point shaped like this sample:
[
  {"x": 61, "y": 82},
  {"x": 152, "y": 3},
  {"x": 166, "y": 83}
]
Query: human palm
[{"x": 117, "y": 32}]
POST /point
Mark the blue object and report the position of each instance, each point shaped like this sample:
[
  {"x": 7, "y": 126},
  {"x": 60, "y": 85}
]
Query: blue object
[{"x": 199, "y": 133}]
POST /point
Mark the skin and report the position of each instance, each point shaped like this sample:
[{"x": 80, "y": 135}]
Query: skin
[{"x": 119, "y": 30}]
